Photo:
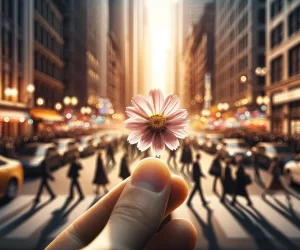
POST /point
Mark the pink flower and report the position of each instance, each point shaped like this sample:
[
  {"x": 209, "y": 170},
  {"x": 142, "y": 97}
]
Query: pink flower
[{"x": 156, "y": 121}]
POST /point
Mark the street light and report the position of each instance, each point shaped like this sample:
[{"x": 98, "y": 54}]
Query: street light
[
  {"x": 40, "y": 101},
  {"x": 223, "y": 106},
  {"x": 74, "y": 101},
  {"x": 85, "y": 110},
  {"x": 13, "y": 92},
  {"x": 30, "y": 88},
  {"x": 243, "y": 79},
  {"x": 261, "y": 71},
  {"x": 58, "y": 106},
  {"x": 262, "y": 100},
  {"x": 67, "y": 100}
]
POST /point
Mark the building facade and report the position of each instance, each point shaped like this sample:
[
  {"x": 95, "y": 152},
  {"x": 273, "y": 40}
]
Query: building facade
[
  {"x": 15, "y": 67},
  {"x": 199, "y": 62},
  {"x": 239, "y": 50},
  {"x": 283, "y": 62},
  {"x": 48, "y": 54}
]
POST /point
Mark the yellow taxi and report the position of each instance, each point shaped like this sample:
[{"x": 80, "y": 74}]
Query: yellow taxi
[{"x": 11, "y": 177}]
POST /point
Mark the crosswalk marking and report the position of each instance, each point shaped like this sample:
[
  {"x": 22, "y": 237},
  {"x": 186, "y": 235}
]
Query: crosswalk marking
[{"x": 19, "y": 221}]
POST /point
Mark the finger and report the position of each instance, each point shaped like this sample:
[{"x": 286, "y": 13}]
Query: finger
[
  {"x": 139, "y": 210},
  {"x": 177, "y": 234},
  {"x": 85, "y": 229}
]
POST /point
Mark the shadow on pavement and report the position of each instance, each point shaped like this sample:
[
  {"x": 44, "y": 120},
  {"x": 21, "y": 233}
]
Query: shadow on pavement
[
  {"x": 23, "y": 218},
  {"x": 207, "y": 228},
  {"x": 59, "y": 218}
]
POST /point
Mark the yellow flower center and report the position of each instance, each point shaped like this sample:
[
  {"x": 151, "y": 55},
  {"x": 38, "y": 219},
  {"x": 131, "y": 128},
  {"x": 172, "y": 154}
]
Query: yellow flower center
[{"x": 157, "y": 122}]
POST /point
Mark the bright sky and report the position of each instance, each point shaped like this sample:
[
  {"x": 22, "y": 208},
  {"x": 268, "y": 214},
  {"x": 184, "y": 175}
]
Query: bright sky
[{"x": 159, "y": 22}]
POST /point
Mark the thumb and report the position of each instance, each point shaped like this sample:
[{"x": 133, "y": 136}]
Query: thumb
[{"x": 140, "y": 209}]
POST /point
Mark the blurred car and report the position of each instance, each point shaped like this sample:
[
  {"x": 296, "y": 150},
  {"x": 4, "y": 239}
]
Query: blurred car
[
  {"x": 33, "y": 155},
  {"x": 11, "y": 177},
  {"x": 292, "y": 171},
  {"x": 86, "y": 146},
  {"x": 211, "y": 142},
  {"x": 230, "y": 148},
  {"x": 264, "y": 152},
  {"x": 67, "y": 148}
]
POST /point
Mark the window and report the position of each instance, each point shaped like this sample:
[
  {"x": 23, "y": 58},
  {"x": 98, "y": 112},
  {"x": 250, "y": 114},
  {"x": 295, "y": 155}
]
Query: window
[
  {"x": 277, "y": 35},
  {"x": 243, "y": 43},
  {"x": 276, "y": 70},
  {"x": 20, "y": 13},
  {"x": 243, "y": 23},
  {"x": 242, "y": 4},
  {"x": 243, "y": 63},
  {"x": 276, "y": 7},
  {"x": 261, "y": 61},
  {"x": 261, "y": 38},
  {"x": 262, "y": 16},
  {"x": 20, "y": 51},
  {"x": 294, "y": 61},
  {"x": 294, "y": 21}
]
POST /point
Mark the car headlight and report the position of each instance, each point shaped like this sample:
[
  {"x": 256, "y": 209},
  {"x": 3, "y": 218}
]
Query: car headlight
[
  {"x": 34, "y": 164},
  {"x": 249, "y": 153}
]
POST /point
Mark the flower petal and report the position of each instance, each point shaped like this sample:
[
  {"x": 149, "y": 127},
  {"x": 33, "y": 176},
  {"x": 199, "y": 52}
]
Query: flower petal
[
  {"x": 145, "y": 141},
  {"x": 156, "y": 100},
  {"x": 170, "y": 139},
  {"x": 158, "y": 145},
  {"x": 135, "y": 136},
  {"x": 141, "y": 103},
  {"x": 180, "y": 113},
  {"x": 133, "y": 112},
  {"x": 171, "y": 105},
  {"x": 136, "y": 123},
  {"x": 177, "y": 122},
  {"x": 179, "y": 133}
]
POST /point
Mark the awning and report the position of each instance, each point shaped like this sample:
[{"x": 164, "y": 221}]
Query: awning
[
  {"x": 44, "y": 114},
  {"x": 13, "y": 115}
]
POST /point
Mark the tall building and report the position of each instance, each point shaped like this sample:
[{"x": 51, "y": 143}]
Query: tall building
[
  {"x": 239, "y": 50},
  {"x": 199, "y": 62},
  {"x": 283, "y": 64},
  {"x": 94, "y": 84},
  {"x": 48, "y": 53},
  {"x": 15, "y": 67}
]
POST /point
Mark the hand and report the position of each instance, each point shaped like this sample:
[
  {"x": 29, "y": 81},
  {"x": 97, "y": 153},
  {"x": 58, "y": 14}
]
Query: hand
[{"x": 129, "y": 216}]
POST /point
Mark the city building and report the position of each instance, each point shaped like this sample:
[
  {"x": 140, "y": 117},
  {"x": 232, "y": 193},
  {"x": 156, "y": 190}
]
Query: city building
[
  {"x": 239, "y": 51},
  {"x": 48, "y": 54},
  {"x": 199, "y": 62},
  {"x": 283, "y": 64},
  {"x": 115, "y": 88},
  {"x": 15, "y": 67}
]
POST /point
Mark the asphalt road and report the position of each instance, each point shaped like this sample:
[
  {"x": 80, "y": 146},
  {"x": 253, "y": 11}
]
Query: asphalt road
[{"x": 272, "y": 224}]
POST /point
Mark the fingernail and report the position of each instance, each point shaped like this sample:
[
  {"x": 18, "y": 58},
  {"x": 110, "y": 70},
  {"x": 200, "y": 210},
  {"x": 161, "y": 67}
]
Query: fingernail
[{"x": 151, "y": 174}]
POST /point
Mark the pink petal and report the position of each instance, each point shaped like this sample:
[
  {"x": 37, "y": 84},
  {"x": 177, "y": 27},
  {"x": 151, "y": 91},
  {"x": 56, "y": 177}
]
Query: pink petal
[
  {"x": 145, "y": 141},
  {"x": 180, "y": 113},
  {"x": 136, "y": 123},
  {"x": 179, "y": 133},
  {"x": 135, "y": 136},
  {"x": 156, "y": 100},
  {"x": 177, "y": 122},
  {"x": 171, "y": 105},
  {"x": 158, "y": 145},
  {"x": 142, "y": 104},
  {"x": 170, "y": 139},
  {"x": 133, "y": 112}
]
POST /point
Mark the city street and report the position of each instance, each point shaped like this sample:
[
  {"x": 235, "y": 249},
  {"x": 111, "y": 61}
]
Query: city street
[{"x": 271, "y": 224}]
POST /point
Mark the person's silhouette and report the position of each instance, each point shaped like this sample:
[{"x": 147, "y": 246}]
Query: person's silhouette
[
  {"x": 172, "y": 156},
  {"x": 100, "y": 177},
  {"x": 197, "y": 175},
  {"x": 124, "y": 168},
  {"x": 110, "y": 155},
  {"x": 45, "y": 176},
  {"x": 216, "y": 171},
  {"x": 73, "y": 174},
  {"x": 227, "y": 181}
]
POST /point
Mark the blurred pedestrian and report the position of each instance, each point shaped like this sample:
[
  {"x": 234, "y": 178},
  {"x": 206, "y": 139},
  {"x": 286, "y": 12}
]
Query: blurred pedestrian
[
  {"x": 186, "y": 156},
  {"x": 110, "y": 155},
  {"x": 227, "y": 181},
  {"x": 124, "y": 168},
  {"x": 216, "y": 171},
  {"x": 275, "y": 184},
  {"x": 45, "y": 176},
  {"x": 172, "y": 156},
  {"x": 197, "y": 175},
  {"x": 73, "y": 174},
  {"x": 100, "y": 177},
  {"x": 241, "y": 182}
]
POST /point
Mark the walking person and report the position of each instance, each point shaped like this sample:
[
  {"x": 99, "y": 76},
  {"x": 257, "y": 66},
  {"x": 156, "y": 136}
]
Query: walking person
[
  {"x": 172, "y": 156},
  {"x": 275, "y": 183},
  {"x": 256, "y": 170},
  {"x": 124, "y": 168},
  {"x": 241, "y": 182},
  {"x": 73, "y": 174},
  {"x": 46, "y": 175},
  {"x": 227, "y": 181},
  {"x": 110, "y": 155},
  {"x": 186, "y": 156},
  {"x": 100, "y": 177},
  {"x": 216, "y": 171},
  {"x": 197, "y": 175}
]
